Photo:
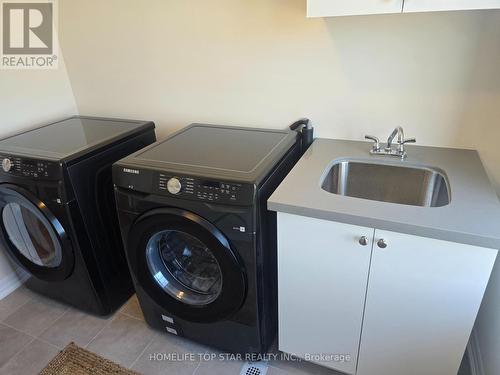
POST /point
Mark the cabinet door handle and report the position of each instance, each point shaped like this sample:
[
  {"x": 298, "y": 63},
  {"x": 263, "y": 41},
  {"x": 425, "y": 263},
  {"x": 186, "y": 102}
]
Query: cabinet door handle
[
  {"x": 382, "y": 243},
  {"x": 363, "y": 241}
]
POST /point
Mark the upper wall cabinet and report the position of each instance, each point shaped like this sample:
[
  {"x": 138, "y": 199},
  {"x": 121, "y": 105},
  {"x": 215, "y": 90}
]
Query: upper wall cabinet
[
  {"x": 440, "y": 5},
  {"x": 328, "y": 8}
]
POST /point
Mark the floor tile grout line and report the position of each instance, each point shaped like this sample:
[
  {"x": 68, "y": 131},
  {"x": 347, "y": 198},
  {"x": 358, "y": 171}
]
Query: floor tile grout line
[
  {"x": 49, "y": 343},
  {"x": 18, "y": 307},
  {"x": 27, "y": 333},
  {"x": 20, "y": 350},
  {"x": 143, "y": 351},
  {"x": 29, "y": 343},
  {"x": 18, "y": 330},
  {"x": 130, "y": 316},
  {"x": 33, "y": 338},
  {"x": 111, "y": 318},
  {"x": 196, "y": 369},
  {"x": 54, "y": 322}
]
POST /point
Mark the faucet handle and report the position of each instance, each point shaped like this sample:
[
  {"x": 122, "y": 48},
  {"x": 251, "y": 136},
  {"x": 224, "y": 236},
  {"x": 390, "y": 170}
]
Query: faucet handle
[
  {"x": 376, "y": 145},
  {"x": 401, "y": 145},
  {"x": 408, "y": 140}
]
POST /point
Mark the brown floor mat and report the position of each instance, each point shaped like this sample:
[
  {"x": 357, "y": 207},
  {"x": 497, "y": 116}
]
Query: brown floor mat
[{"x": 74, "y": 360}]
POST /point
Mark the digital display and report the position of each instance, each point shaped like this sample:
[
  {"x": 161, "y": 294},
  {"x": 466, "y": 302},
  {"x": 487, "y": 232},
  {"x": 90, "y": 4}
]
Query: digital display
[{"x": 212, "y": 184}]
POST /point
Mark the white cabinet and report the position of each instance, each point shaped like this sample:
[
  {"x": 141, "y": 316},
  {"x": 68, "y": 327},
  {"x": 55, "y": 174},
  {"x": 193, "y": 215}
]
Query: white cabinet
[
  {"x": 322, "y": 275},
  {"x": 326, "y": 8},
  {"x": 441, "y": 5},
  {"x": 422, "y": 301},
  {"x": 422, "y": 297},
  {"x": 330, "y": 8}
]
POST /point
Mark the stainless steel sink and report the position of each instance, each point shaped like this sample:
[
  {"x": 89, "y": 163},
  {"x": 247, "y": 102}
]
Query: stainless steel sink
[{"x": 426, "y": 187}]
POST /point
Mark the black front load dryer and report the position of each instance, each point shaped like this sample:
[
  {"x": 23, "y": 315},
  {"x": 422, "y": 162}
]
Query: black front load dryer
[
  {"x": 200, "y": 243},
  {"x": 57, "y": 209}
]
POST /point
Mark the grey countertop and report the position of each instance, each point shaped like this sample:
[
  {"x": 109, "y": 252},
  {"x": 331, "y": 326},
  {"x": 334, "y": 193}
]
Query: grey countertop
[{"x": 472, "y": 217}]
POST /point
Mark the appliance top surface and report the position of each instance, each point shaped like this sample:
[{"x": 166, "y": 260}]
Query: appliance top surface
[
  {"x": 70, "y": 137},
  {"x": 206, "y": 150}
]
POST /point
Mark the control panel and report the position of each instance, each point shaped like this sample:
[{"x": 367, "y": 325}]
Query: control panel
[
  {"x": 33, "y": 168},
  {"x": 204, "y": 190}
]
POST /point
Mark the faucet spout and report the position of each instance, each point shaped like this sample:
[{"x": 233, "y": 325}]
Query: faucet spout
[{"x": 401, "y": 136}]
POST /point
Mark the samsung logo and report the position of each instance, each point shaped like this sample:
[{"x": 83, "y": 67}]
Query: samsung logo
[{"x": 128, "y": 170}]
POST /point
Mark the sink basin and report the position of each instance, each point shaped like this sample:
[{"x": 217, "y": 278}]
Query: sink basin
[{"x": 416, "y": 186}]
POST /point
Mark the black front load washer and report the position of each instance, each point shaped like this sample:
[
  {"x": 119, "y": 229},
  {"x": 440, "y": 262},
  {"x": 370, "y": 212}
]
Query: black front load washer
[
  {"x": 57, "y": 209},
  {"x": 200, "y": 243}
]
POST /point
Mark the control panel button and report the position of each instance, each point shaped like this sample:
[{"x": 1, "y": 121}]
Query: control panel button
[
  {"x": 174, "y": 186},
  {"x": 6, "y": 165}
]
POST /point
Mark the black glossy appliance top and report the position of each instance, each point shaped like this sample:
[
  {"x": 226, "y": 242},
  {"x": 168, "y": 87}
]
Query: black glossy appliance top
[
  {"x": 70, "y": 137},
  {"x": 206, "y": 150}
]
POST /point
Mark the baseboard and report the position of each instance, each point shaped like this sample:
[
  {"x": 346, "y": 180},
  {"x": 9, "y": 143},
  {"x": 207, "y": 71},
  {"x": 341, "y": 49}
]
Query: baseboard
[
  {"x": 10, "y": 283},
  {"x": 474, "y": 354}
]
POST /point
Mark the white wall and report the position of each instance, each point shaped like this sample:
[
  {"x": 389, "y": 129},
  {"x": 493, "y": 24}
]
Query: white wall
[
  {"x": 27, "y": 99},
  {"x": 262, "y": 63}
]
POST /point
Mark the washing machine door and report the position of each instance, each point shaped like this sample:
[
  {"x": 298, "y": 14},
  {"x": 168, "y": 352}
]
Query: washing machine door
[
  {"x": 33, "y": 236},
  {"x": 186, "y": 265}
]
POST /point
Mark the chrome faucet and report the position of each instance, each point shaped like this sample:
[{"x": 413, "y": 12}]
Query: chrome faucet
[
  {"x": 401, "y": 135},
  {"x": 399, "y": 152}
]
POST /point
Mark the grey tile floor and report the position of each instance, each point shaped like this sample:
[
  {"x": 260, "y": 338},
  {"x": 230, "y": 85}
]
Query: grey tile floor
[{"x": 34, "y": 329}]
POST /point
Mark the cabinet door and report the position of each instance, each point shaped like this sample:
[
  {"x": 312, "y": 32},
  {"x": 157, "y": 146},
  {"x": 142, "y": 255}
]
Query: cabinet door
[
  {"x": 439, "y": 5},
  {"x": 326, "y": 8},
  {"x": 322, "y": 276},
  {"x": 423, "y": 297}
]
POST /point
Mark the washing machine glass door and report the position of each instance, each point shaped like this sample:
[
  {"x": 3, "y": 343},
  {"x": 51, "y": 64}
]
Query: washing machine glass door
[
  {"x": 186, "y": 265},
  {"x": 33, "y": 236}
]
